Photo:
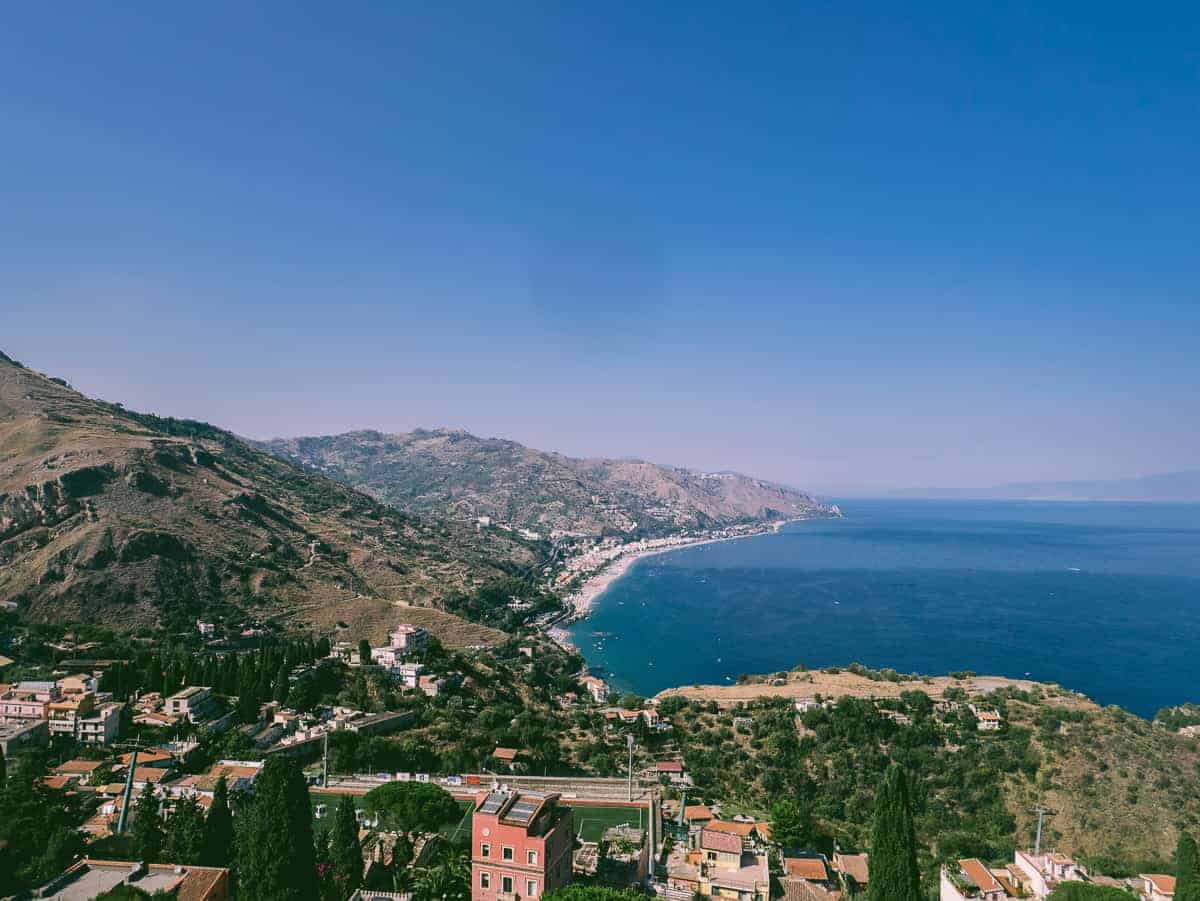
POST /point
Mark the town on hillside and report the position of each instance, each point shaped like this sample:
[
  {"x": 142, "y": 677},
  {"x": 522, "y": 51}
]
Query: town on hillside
[{"x": 169, "y": 769}]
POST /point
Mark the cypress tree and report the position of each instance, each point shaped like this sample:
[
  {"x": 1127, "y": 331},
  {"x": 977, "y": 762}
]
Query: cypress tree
[
  {"x": 894, "y": 874},
  {"x": 275, "y": 853},
  {"x": 218, "y": 830},
  {"x": 364, "y": 651},
  {"x": 282, "y": 685},
  {"x": 345, "y": 850},
  {"x": 3, "y": 769},
  {"x": 185, "y": 833},
  {"x": 147, "y": 830},
  {"x": 1187, "y": 869}
]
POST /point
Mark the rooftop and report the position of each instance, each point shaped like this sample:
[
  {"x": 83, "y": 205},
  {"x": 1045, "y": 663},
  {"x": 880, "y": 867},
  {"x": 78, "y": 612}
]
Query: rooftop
[
  {"x": 89, "y": 878},
  {"x": 810, "y": 868}
]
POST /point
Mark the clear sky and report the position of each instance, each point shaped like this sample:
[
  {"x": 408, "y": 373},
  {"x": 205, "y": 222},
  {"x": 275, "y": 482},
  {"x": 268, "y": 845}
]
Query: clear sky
[{"x": 846, "y": 246}]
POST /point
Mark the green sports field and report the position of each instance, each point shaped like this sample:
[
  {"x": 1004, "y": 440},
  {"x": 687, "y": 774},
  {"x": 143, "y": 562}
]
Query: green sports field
[{"x": 590, "y": 822}]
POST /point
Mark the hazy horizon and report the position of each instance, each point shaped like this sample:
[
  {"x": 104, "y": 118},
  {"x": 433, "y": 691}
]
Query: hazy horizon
[{"x": 851, "y": 251}]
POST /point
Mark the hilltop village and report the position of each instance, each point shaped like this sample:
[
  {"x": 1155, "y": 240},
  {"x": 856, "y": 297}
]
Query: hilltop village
[{"x": 499, "y": 773}]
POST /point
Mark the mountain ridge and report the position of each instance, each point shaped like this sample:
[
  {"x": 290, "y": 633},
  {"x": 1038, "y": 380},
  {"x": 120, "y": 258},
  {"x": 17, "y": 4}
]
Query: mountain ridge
[{"x": 452, "y": 471}]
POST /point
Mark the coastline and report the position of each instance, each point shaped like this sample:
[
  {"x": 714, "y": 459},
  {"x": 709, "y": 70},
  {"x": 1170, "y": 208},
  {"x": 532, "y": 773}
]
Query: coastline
[{"x": 581, "y": 599}]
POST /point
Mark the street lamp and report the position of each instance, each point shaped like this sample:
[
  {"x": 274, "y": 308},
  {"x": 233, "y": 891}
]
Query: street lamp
[{"x": 629, "y": 738}]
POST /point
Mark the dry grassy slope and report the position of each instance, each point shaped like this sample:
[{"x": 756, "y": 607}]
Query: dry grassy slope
[
  {"x": 447, "y": 470},
  {"x": 1119, "y": 785},
  {"x": 109, "y": 515}
]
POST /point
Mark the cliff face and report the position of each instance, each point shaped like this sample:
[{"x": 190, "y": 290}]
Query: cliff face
[
  {"x": 130, "y": 519},
  {"x": 446, "y": 471}
]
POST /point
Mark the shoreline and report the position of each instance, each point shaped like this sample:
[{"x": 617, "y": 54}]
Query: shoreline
[{"x": 580, "y": 600}]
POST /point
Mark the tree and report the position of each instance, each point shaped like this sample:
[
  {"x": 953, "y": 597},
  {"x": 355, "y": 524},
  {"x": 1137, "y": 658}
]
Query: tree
[
  {"x": 218, "y": 829},
  {"x": 282, "y": 684},
  {"x": 364, "y": 651},
  {"x": 1187, "y": 869},
  {"x": 411, "y": 806},
  {"x": 791, "y": 825},
  {"x": 894, "y": 874},
  {"x": 185, "y": 833},
  {"x": 147, "y": 831},
  {"x": 345, "y": 850},
  {"x": 3, "y": 769},
  {"x": 275, "y": 855}
]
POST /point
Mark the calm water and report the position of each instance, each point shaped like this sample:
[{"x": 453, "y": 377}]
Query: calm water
[{"x": 1102, "y": 598}]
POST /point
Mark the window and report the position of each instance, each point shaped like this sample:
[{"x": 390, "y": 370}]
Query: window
[
  {"x": 485, "y": 880},
  {"x": 506, "y": 884},
  {"x": 506, "y": 853},
  {"x": 531, "y": 858},
  {"x": 485, "y": 850},
  {"x": 530, "y": 888}
]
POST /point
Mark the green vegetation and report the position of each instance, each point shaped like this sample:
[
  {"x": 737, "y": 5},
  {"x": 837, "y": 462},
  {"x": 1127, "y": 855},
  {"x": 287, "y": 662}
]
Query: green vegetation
[
  {"x": 276, "y": 859},
  {"x": 1187, "y": 869},
  {"x": 218, "y": 829},
  {"x": 590, "y": 822},
  {"x": 411, "y": 806},
  {"x": 345, "y": 850},
  {"x": 185, "y": 833},
  {"x": 594, "y": 893},
  {"x": 1083, "y": 891},
  {"x": 147, "y": 831},
  {"x": 894, "y": 874}
]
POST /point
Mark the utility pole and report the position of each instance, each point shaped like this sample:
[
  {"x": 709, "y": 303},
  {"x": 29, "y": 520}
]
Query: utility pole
[
  {"x": 325, "y": 763},
  {"x": 630, "y": 786}
]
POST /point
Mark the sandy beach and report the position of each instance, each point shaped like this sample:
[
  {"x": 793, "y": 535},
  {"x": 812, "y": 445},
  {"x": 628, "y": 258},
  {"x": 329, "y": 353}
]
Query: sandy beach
[{"x": 597, "y": 583}]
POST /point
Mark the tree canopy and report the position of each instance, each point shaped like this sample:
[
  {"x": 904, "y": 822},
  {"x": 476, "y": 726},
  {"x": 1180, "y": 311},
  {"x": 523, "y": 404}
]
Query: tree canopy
[
  {"x": 345, "y": 850},
  {"x": 1187, "y": 869},
  {"x": 894, "y": 874},
  {"x": 411, "y": 806},
  {"x": 275, "y": 855}
]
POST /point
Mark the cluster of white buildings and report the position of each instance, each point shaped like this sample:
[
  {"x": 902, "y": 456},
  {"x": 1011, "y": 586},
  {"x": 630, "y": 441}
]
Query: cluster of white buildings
[
  {"x": 32, "y": 711},
  {"x": 1033, "y": 875}
]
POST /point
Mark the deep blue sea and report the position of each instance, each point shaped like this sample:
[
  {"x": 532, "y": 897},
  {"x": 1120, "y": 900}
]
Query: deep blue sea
[{"x": 1102, "y": 598}]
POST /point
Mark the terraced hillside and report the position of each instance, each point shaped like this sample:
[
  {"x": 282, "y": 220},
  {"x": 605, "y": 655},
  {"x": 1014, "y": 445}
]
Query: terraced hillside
[{"x": 130, "y": 519}]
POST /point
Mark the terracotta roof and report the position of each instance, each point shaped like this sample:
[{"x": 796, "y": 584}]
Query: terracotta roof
[
  {"x": 980, "y": 875},
  {"x": 509, "y": 754},
  {"x": 58, "y": 782},
  {"x": 77, "y": 766},
  {"x": 696, "y": 812},
  {"x": 145, "y": 756},
  {"x": 764, "y": 830},
  {"x": 811, "y": 868},
  {"x": 669, "y": 766},
  {"x": 1161, "y": 883},
  {"x": 232, "y": 771},
  {"x": 742, "y": 829},
  {"x": 720, "y": 841},
  {"x": 853, "y": 865},
  {"x": 802, "y": 890},
  {"x": 148, "y": 774}
]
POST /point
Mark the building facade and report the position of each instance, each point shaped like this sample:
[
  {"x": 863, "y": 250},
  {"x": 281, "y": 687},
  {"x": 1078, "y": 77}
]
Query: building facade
[{"x": 521, "y": 845}]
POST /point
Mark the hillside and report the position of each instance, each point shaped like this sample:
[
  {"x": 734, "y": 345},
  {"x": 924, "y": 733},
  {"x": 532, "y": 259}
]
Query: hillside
[
  {"x": 447, "y": 471},
  {"x": 130, "y": 519},
  {"x": 1120, "y": 786}
]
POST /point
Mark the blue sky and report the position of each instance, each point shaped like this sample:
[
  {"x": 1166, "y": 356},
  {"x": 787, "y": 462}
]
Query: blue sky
[{"x": 847, "y": 246}]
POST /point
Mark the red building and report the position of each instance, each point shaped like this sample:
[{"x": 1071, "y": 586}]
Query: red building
[{"x": 521, "y": 845}]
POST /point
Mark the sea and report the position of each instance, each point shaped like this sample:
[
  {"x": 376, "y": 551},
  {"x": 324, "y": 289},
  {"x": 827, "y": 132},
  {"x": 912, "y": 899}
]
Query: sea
[{"x": 1102, "y": 598}]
